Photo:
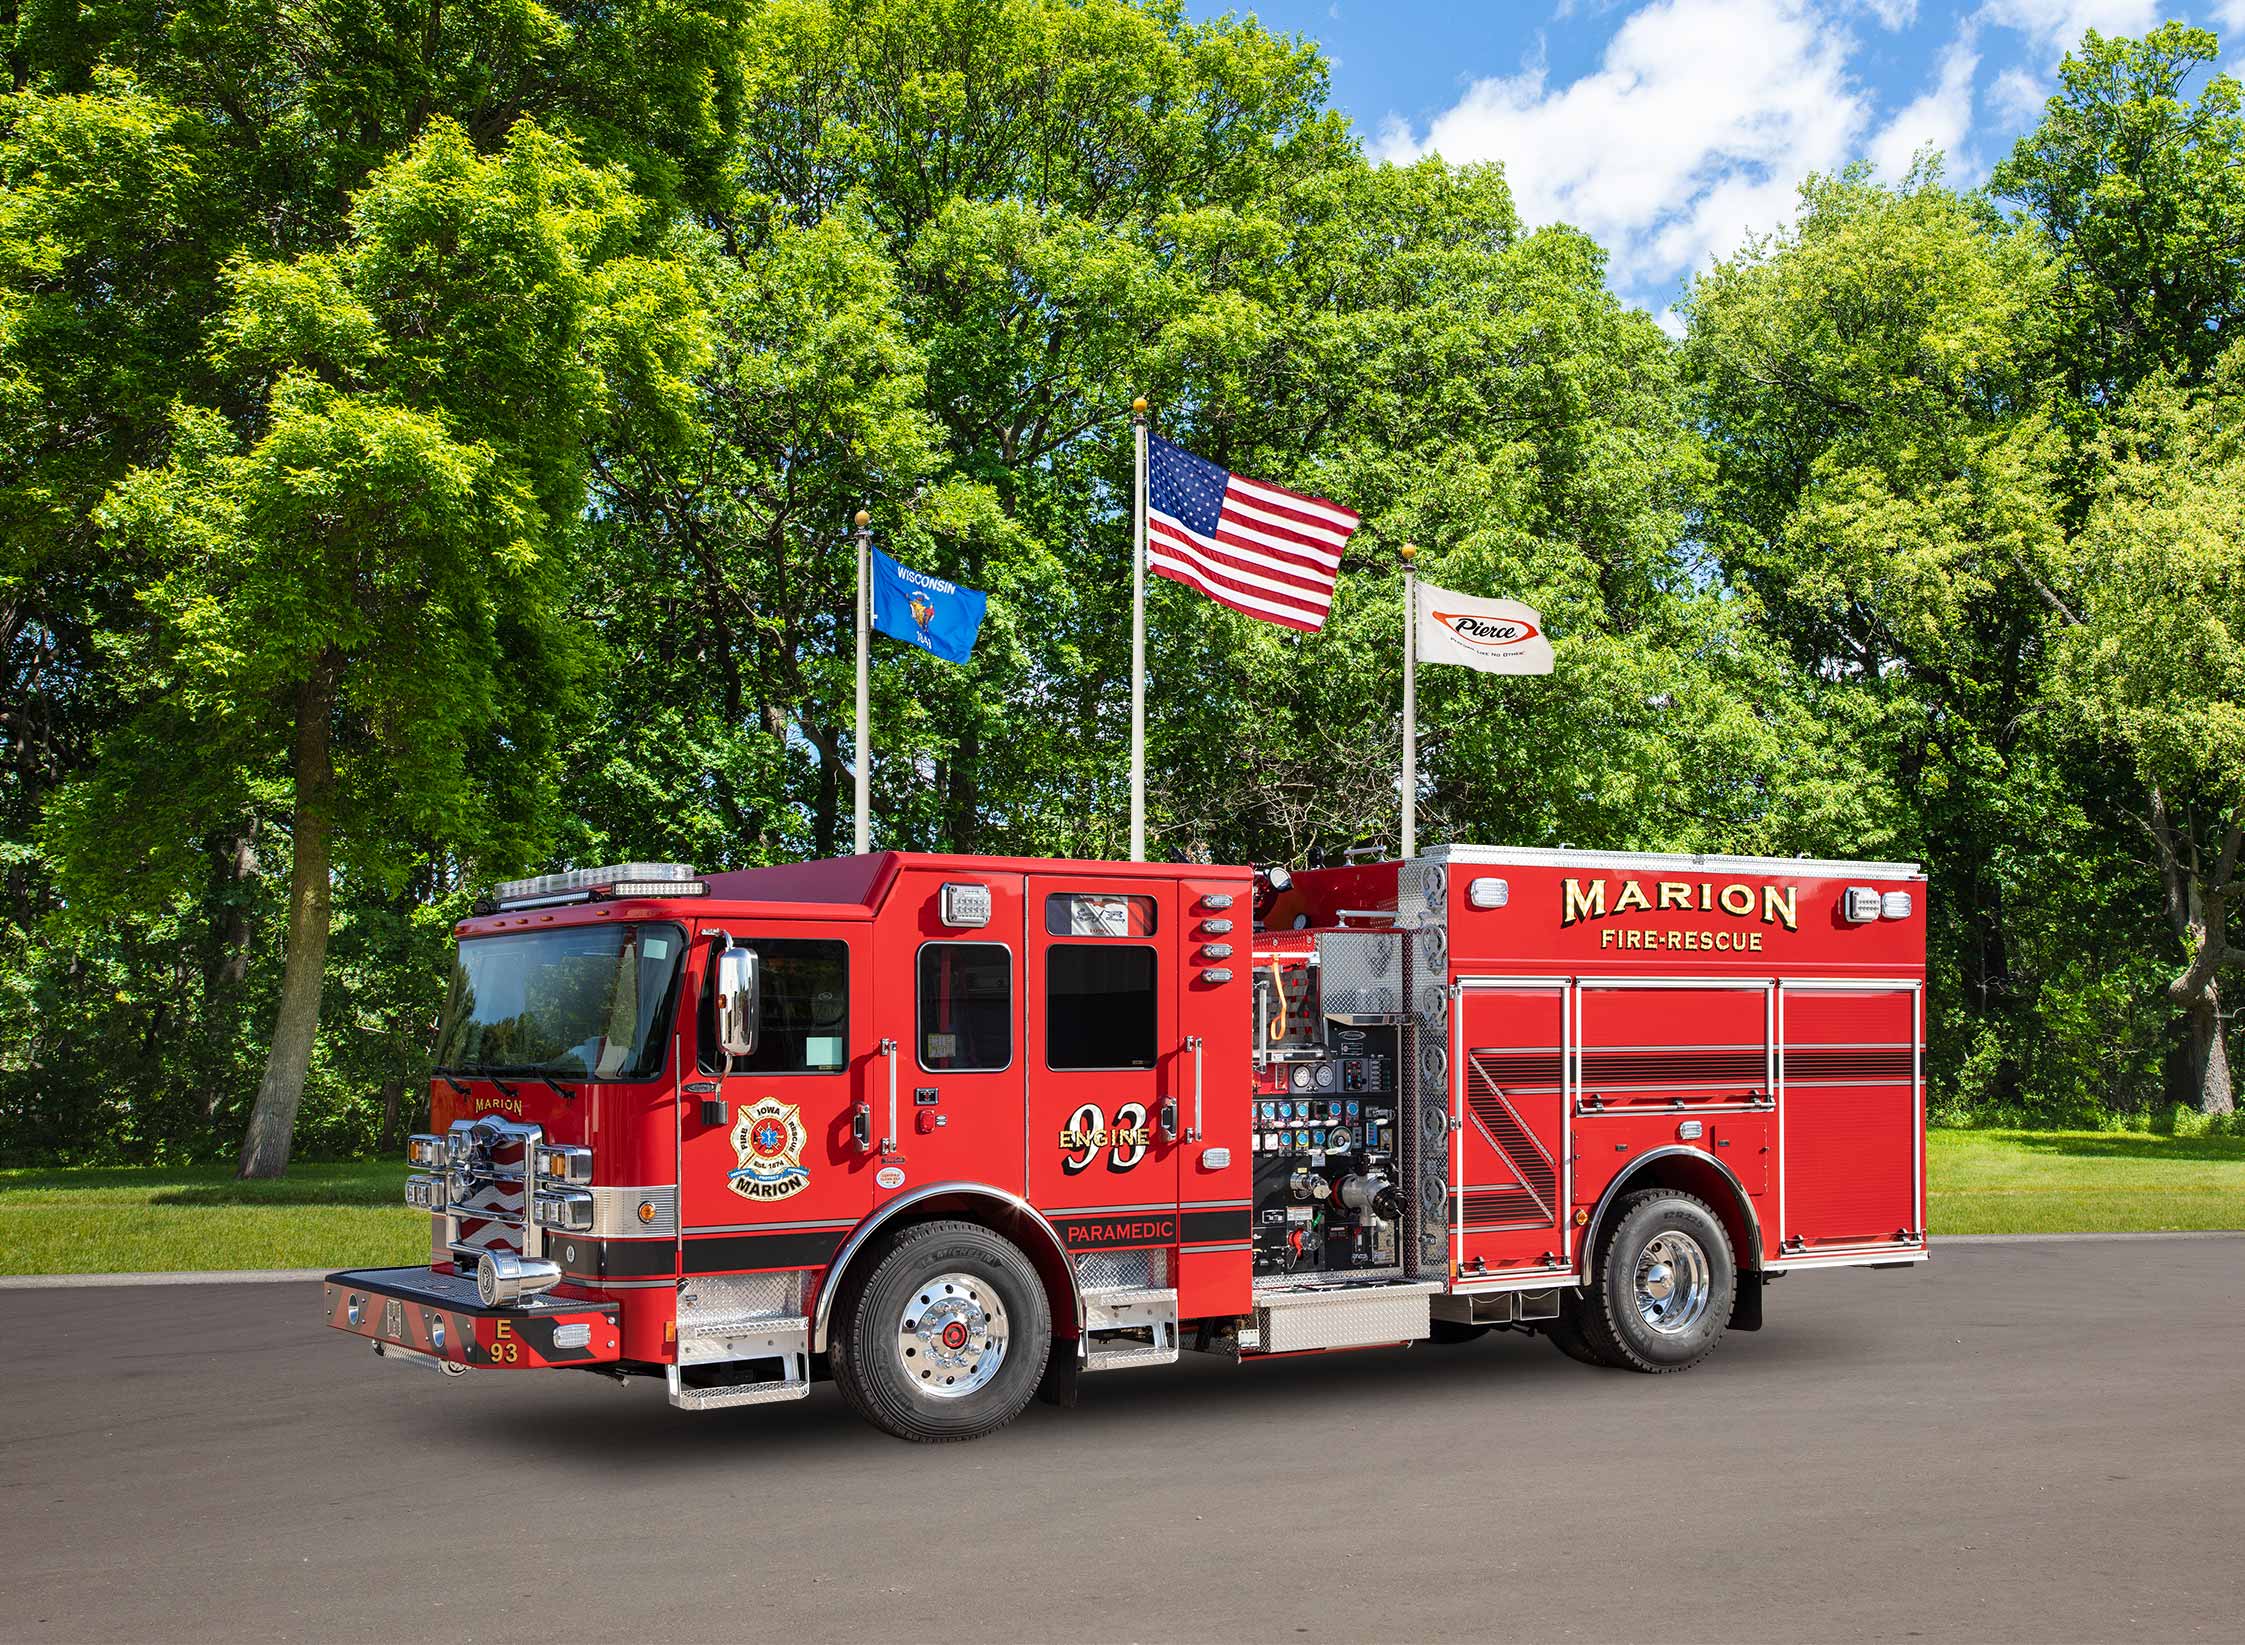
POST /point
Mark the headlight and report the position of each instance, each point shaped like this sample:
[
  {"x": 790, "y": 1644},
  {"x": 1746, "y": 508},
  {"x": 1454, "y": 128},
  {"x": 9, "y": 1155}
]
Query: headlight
[
  {"x": 425, "y": 1193},
  {"x": 425, "y": 1151},
  {"x": 560, "y": 1163},
  {"x": 568, "y": 1209}
]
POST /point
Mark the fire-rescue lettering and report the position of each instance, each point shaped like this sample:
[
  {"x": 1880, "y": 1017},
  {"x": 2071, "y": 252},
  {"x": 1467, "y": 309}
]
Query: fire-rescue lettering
[
  {"x": 1587, "y": 900},
  {"x": 1737, "y": 942}
]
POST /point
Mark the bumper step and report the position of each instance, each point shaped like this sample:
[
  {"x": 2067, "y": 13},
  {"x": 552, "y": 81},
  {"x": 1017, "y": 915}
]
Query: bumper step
[{"x": 724, "y": 1362}]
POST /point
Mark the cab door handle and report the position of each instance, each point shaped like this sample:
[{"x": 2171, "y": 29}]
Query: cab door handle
[{"x": 1193, "y": 1044}]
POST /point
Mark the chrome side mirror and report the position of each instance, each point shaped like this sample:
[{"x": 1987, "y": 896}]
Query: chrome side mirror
[{"x": 737, "y": 1001}]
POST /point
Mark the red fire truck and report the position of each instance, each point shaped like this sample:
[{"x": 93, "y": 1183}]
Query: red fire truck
[{"x": 956, "y": 1131}]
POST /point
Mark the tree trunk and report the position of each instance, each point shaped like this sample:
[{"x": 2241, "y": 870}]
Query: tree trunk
[
  {"x": 272, "y": 1121},
  {"x": 2209, "y": 1056},
  {"x": 964, "y": 799},
  {"x": 393, "y": 1089},
  {"x": 826, "y": 809}
]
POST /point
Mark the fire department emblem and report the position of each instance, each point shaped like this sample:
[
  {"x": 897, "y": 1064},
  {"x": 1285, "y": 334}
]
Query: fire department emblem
[{"x": 768, "y": 1140}]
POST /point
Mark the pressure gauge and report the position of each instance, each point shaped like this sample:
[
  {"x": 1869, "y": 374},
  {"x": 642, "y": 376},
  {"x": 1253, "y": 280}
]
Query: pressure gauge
[
  {"x": 1302, "y": 1076},
  {"x": 1325, "y": 1076}
]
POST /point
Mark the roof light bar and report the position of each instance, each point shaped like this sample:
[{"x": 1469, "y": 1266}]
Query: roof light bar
[{"x": 631, "y": 879}]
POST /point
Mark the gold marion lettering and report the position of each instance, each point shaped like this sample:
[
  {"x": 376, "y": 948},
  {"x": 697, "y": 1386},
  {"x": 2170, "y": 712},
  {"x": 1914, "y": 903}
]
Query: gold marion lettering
[
  {"x": 1583, "y": 902},
  {"x": 1586, "y": 900}
]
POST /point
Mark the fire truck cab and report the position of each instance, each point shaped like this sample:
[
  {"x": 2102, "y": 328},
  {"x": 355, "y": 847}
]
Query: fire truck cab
[{"x": 956, "y": 1131}]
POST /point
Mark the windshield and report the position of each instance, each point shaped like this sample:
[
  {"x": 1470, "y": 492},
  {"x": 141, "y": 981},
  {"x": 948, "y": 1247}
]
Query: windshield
[{"x": 589, "y": 1001}]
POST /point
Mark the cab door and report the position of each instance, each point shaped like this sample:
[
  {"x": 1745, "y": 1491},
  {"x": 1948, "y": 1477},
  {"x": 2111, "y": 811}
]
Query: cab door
[
  {"x": 1106, "y": 1061},
  {"x": 770, "y": 1174},
  {"x": 951, "y": 1000}
]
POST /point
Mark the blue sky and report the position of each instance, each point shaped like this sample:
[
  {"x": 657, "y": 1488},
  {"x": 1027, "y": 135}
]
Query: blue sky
[{"x": 1672, "y": 128}]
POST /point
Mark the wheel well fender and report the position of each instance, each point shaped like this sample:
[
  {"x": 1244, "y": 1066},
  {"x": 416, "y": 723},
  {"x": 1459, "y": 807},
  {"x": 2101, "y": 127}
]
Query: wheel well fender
[
  {"x": 1688, "y": 1171},
  {"x": 993, "y": 1208}
]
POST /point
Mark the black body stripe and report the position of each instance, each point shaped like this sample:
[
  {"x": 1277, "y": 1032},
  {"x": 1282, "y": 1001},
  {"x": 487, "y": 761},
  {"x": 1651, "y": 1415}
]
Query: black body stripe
[
  {"x": 723, "y": 1253},
  {"x": 1201, "y": 1226},
  {"x": 583, "y": 1257}
]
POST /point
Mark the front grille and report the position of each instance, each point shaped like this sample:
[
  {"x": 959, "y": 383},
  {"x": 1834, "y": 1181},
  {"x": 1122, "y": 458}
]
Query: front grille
[{"x": 488, "y": 1170}]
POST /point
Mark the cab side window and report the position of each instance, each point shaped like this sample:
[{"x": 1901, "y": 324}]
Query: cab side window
[
  {"x": 1100, "y": 1006},
  {"x": 803, "y": 1014},
  {"x": 966, "y": 1007}
]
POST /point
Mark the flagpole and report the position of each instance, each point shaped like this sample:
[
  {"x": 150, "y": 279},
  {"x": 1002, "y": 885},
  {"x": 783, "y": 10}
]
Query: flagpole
[
  {"x": 1410, "y": 706},
  {"x": 864, "y": 705},
  {"x": 1138, "y": 639}
]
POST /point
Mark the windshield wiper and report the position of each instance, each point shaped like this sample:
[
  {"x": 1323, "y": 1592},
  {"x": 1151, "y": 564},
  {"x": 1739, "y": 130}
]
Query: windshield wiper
[
  {"x": 446, "y": 1075},
  {"x": 560, "y": 1090}
]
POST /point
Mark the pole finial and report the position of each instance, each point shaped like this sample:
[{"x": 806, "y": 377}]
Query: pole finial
[
  {"x": 1138, "y": 406},
  {"x": 863, "y": 519},
  {"x": 1409, "y": 551}
]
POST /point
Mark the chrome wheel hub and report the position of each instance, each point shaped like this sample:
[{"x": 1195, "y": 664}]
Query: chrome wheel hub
[
  {"x": 952, "y": 1335},
  {"x": 1674, "y": 1283}
]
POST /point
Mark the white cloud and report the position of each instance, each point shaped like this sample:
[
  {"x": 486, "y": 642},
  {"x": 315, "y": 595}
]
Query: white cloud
[
  {"x": 1694, "y": 130},
  {"x": 1941, "y": 116},
  {"x": 2231, "y": 14},
  {"x": 2058, "y": 25},
  {"x": 1893, "y": 15},
  {"x": 2017, "y": 98}
]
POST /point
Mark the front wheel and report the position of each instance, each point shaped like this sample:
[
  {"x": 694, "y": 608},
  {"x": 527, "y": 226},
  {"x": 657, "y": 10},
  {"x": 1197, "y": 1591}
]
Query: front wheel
[
  {"x": 945, "y": 1337},
  {"x": 1666, "y": 1282}
]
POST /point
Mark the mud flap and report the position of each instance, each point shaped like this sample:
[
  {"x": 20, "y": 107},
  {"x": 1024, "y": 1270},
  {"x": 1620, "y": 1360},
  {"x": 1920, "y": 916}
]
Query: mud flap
[
  {"x": 1063, "y": 1371},
  {"x": 1746, "y": 1306}
]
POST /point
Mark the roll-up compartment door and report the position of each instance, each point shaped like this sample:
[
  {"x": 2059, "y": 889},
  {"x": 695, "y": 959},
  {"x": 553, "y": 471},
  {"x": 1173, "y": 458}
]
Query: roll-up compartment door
[{"x": 1850, "y": 1115}]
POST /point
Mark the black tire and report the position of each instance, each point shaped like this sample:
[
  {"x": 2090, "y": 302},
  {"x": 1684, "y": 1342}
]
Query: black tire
[
  {"x": 964, "y": 1274},
  {"x": 1566, "y": 1334},
  {"x": 1615, "y": 1326},
  {"x": 1451, "y": 1332}
]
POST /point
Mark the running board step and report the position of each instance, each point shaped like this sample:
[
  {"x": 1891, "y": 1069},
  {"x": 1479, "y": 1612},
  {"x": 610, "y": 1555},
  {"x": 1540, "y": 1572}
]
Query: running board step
[{"x": 1128, "y": 1327}]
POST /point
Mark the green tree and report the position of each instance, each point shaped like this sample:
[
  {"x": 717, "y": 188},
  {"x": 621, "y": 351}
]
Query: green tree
[
  {"x": 2152, "y": 661},
  {"x": 1886, "y": 482},
  {"x": 360, "y": 582},
  {"x": 2141, "y": 196}
]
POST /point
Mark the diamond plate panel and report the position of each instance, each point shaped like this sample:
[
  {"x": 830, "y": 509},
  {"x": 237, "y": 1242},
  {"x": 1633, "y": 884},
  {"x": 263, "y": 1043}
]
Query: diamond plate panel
[
  {"x": 743, "y": 1296},
  {"x": 1343, "y": 1318},
  {"x": 1360, "y": 974},
  {"x": 1421, "y": 893},
  {"x": 1426, "y": 1127},
  {"x": 1121, "y": 1270}
]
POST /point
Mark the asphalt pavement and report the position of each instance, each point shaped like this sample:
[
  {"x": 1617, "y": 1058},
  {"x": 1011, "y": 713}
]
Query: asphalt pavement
[{"x": 2036, "y": 1442}]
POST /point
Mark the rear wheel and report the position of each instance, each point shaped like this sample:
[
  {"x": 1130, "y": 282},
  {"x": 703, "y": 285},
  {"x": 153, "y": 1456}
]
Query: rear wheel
[
  {"x": 1666, "y": 1282},
  {"x": 1566, "y": 1334},
  {"x": 945, "y": 1336}
]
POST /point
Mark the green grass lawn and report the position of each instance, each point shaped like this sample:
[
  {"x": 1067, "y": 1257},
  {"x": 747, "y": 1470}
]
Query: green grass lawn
[
  {"x": 128, "y": 1220},
  {"x": 2051, "y": 1182}
]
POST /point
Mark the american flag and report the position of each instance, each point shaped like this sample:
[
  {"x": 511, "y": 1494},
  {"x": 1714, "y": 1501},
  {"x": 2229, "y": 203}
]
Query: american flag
[{"x": 1257, "y": 548}]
